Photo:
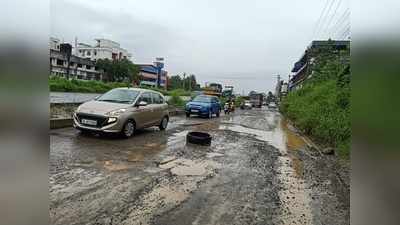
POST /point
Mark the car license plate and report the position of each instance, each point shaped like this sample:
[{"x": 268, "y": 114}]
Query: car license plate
[
  {"x": 89, "y": 122},
  {"x": 195, "y": 110}
]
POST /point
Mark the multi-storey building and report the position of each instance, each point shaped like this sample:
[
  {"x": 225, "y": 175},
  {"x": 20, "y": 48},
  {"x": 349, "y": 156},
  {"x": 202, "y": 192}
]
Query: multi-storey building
[
  {"x": 150, "y": 75},
  {"x": 64, "y": 64},
  {"x": 103, "y": 49},
  {"x": 302, "y": 69}
]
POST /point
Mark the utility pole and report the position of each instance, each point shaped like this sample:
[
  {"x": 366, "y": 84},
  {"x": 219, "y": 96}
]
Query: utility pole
[
  {"x": 190, "y": 82},
  {"x": 184, "y": 77}
]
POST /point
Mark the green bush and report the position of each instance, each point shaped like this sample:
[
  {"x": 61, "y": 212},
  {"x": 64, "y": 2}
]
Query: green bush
[
  {"x": 176, "y": 99},
  {"x": 321, "y": 108},
  {"x": 64, "y": 85},
  {"x": 315, "y": 110}
]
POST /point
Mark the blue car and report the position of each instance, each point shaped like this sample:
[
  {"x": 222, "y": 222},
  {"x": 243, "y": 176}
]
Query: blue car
[{"x": 203, "y": 105}]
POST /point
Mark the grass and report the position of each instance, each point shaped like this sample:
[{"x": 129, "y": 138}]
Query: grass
[
  {"x": 63, "y": 85},
  {"x": 176, "y": 99},
  {"x": 321, "y": 109}
]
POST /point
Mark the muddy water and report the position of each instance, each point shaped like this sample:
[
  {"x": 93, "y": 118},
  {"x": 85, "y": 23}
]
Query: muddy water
[
  {"x": 252, "y": 174},
  {"x": 294, "y": 195}
]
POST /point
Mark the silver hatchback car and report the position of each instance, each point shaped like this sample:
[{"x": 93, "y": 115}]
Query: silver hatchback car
[{"x": 123, "y": 110}]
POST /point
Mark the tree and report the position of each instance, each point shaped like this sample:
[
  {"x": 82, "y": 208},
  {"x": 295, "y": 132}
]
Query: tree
[
  {"x": 187, "y": 82},
  {"x": 175, "y": 82},
  {"x": 119, "y": 70}
]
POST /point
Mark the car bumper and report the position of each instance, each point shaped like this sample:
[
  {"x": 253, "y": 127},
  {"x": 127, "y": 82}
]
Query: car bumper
[
  {"x": 199, "y": 112},
  {"x": 114, "y": 127}
]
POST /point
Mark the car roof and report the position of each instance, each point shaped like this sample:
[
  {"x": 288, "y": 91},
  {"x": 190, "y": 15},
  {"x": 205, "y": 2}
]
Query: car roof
[
  {"x": 208, "y": 96},
  {"x": 139, "y": 89}
]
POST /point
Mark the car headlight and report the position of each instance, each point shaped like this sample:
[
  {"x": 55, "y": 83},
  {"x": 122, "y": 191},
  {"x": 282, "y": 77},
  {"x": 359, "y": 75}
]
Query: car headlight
[
  {"x": 116, "y": 112},
  {"x": 78, "y": 109},
  {"x": 111, "y": 120}
]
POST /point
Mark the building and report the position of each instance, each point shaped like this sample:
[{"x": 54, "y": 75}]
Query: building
[
  {"x": 149, "y": 75},
  {"x": 302, "y": 68},
  {"x": 64, "y": 64},
  {"x": 103, "y": 49},
  {"x": 54, "y": 44}
]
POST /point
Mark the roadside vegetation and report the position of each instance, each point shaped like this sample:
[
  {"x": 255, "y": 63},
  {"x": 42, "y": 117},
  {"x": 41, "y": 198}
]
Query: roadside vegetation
[
  {"x": 58, "y": 84},
  {"x": 63, "y": 85},
  {"x": 321, "y": 108}
]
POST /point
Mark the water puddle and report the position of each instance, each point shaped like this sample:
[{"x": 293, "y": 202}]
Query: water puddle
[
  {"x": 178, "y": 138},
  {"x": 186, "y": 167},
  {"x": 274, "y": 138},
  {"x": 142, "y": 153},
  {"x": 214, "y": 154},
  {"x": 293, "y": 140},
  {"x": 294, "y": 196},
  {"x": 192, "y": 169},
  {"x": 116, "y": 166}
]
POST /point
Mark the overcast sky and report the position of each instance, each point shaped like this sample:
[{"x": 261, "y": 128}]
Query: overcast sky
[{"x": 240, "y": 43}]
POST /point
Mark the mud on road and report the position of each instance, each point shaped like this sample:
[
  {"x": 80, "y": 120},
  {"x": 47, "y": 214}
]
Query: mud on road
[{"x": 258, "y": 170}]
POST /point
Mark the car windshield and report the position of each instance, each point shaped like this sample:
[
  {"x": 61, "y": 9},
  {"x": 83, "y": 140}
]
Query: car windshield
[
  {"x": 124, "y": 96},
  {"x": 202, "y": 98}
]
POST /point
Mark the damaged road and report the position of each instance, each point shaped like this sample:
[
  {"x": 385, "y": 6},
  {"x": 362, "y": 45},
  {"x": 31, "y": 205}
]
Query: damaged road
[{"x": 258, "y": 170}]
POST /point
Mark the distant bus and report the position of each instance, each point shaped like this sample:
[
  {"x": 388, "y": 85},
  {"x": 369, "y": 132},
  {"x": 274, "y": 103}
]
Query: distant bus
[{"x": 256, "y": 100}]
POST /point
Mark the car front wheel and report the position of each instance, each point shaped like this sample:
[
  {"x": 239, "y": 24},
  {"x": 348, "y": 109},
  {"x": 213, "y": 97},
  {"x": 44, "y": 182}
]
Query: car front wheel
[
  {"x": 129, "y": 129},
  {"x": 164, "y": 123}
]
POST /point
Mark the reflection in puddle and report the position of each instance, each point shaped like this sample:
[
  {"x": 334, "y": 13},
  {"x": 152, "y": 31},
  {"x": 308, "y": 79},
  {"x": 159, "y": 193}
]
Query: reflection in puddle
[
  {"x": 114, "y": 167},
  {"x": 274, "y": 138},
  {"x": 214, "y": 154},
  {"x": 293, "y": 140},
  {"x": 294, "y": 196}
]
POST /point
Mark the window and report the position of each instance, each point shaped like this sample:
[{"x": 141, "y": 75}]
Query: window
[
  {"x": 88, "y": 67},
  {"x": 157, "y": 99},
  {"x": 95, "y": 52},
  {"x": 60, "y": 62},
  {"x": 79, "y": 65},
  {"x": 88, "y": 53},
  {"x": 146, "y": 97},
  {"x": 71, "y": 63},
  {"x": 216, "y": 99},
  {"x": 80, "y": 51}
]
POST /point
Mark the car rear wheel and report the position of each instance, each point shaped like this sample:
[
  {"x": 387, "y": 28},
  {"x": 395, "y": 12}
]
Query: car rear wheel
[
  {"x": 209, "y": 114},
  {"x": 164, "y": 123},
  {"x": 129, "y": 129}
]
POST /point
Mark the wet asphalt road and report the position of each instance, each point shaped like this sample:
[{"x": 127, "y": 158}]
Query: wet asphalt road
[{"x": 258, "y": 170}]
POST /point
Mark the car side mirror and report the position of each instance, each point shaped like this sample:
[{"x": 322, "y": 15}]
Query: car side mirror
[{"x": 142, "y": 103}]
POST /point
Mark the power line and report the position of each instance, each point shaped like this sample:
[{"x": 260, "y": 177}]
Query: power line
[
  {"x": 345, "y": 33},
  {"x": 319, "y": 19},
  {"x": 342, "y": 28},
  {"x": 326, "y": 16},
  {"x": 333, "y": 15},
  {"x": 343, "y": 18}
]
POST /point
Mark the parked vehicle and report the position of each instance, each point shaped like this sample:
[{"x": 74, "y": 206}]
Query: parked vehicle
[
  {"x": 272, "y": 105},
  {"x": 122, "y": 110},
  {"x": 256, "y": 99},
  {"x": 246, "y": 105},
  {"x": 203, "y": 105}
]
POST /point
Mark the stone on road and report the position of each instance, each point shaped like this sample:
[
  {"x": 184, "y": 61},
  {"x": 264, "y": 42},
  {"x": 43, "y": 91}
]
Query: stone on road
[{"x": 258, "y": 170}]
